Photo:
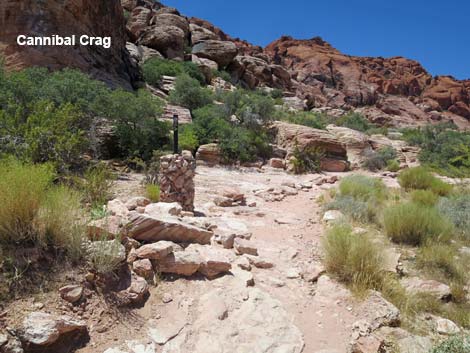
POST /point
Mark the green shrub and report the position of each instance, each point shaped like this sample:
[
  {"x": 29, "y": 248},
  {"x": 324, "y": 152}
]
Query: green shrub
[
  {"x": 104, "y": 256},
  {"x": 34, "y": 212},
  {"x": 154, "y": 69},
  {"x": 454, "y": 344},
  {"x": 354, "y": 121},
  {"x": 354, "y": 260},
  {"x": 443, "y": 148},
  {"x": 457, "y": 210},
  {"x": 424, "y": 197},
  {"x": 358, "y": 210},
  {"x": 97, "y": 184},
  {"x": 138, "y": 130},
  {"x": 378, "y": 160},
  {"x": 188, "y": 139},
  {"x": 307, "y": 160},
  {"x": 420, "y": 178},
  {"x": 362, "y": 187},
  {"x": 415, "y": 224},
  {"x": 224, "y": 75},
  {"x": 152, "y": 192},
  {"x": 313, "y": 120},
  {"x": 393, "y": 165},
  {"x": 441, "y": 259},
  {"x": 188, "y": 93}
]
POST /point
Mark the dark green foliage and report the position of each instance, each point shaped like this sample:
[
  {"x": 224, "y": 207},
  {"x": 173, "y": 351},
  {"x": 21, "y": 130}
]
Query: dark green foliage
[
  {"x": 354, "y": 121},
  {"x": 224, "y": 75},
  {"x": 46, "y": 117},
  {"x": 138, "y": 129},
  {"x": 307, "y": 159},
  {"x": 424, "y": 197},
  {"x": 378, "y": 160},
  {"x": 313, "y": 120},
  {"x": 154, "y": 69},
  {"x": 188, "y": 139},
  {"x": 443, "y": 148},
  {"x": 188, "y": 93}
]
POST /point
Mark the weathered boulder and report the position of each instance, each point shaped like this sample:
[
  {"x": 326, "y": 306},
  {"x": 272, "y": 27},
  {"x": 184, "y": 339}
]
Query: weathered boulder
[
  {"x": 168, "y": 40},
  {"x": 201, "y": 34},
  {"x": 139, "y": 20},
  {"x": 171, "y": 19},
  {"x": 155, "y": 251},
  {"x": 143, "y": 268},
  {"x": 277, "y": 163},
  {"x": 109, "y": 227},
  {"x": 288, "y": 136},
  {"x": 243, "y": 246},
  {"x": 147, "y": 228},
  {"x": 163, "y": 209},
  {"x": 41, "y": 329},
  {"x": 185, "y": 263},
  {"x": 437, "y": 289},
  {"x": 222, "y": 52},
  {"x": 209, "y": 154},
  {"x": 214, "y": 261},
  {"x": 71, "y": 293},
  {"x": 138, "y": 201}
]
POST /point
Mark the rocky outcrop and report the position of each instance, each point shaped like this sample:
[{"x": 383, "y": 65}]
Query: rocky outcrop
[
  {"x": 73, "y": 17},
  {"x": 209, "y": 154},
  {"x": 222, "y": 52}
]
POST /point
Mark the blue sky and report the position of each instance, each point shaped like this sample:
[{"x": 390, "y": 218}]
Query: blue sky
[{"x": 434, "y": 32}]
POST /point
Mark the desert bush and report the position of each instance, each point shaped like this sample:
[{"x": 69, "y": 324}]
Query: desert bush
[
  {"x": 362, "y": 187},
  {"x": 354, "y": 121},
  {"x": 456, "y": 208},
  {"x": 154, "y": 69},
  {"x": 454, "y": 344},
  {"x": 152, "y": 191},
  {"x": 420, "y": 178},
  {"x": 442, "y": 260},
  {"x": 188, "y": 139},
  {"x": 138, "y": 130},
  {"x": 378, "y": 160},
  {"x": 104, "y": 256},
  {"x": 393, "y": 165},
  {"x": 354, "y": 260},
  {"x": 313, "y": 120},
  {"x": 34, "y": 212},
  {"x": 443, "y": 148},
  {"x": 424, "y": 197},
  {"x": 224, "y": 75},
  {"x": 358, "y": 210},
  {"x": 415, "y": 224},
  {"x": 307, "y": 160},
  {"x": 97, "y": 184},
  {"x": 188, "y": 93}
]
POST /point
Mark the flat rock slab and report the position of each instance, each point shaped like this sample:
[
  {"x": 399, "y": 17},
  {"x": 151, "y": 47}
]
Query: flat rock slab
[
  {"x": 417, "y": 285},
  {"x": 252, "y": 322},
  {"x": 152, "y": 229}
]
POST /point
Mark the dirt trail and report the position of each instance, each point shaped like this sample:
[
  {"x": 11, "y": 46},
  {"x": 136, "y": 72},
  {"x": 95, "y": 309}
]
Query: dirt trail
[{"x": 282, "y": 313}]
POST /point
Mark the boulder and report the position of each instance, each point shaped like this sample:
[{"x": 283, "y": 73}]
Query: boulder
[
  {"x": 155, "y": 251},
  {"x": 117, "y": 208},
  {"x": 168, "y": 40},
  {"x": 201, "y": 34},
  {"x": 277, "y": 163},
  {"x": 171, "y": 20},
  {"x": 143, "y": 227},
  {"x": 295, "y": 103},
  {"x": 184, "y": 263},
  {"x": 209, "y": 154},
  {"x": 41, "y": 329},
  {"x": 334, "y": 165},
  {"x": 139, "y": 20},
  {"x": 109, "y": 227},
  {"x": 378, "y": 312},
  {"x": 445, "y": 327},
  {"x": 435, "y": 288},
  {"x": 222, "y": 52},
  {"x": 143, "y": 268},
  {"x": 163, "y": 209},
  {"x": 184, "y": 115},
  {"x": 206, "y": 66},
  {"x": 332, "y": 216},
  {"x": 138, "y": 201},
  {"x": 215, "y": 261},
  {"x": 71, "y": 293},
  {"x": 243, "y": 246},
  {"x": 137, "y": 291}
]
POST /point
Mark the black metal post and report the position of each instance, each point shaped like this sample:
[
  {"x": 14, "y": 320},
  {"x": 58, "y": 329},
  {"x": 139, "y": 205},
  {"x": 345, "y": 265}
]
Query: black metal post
[{"x": 175, "y": 134}]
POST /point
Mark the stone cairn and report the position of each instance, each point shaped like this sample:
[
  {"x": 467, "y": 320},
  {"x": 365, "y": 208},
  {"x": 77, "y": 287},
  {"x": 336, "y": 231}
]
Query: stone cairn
[{"x": 177, "y": 179}]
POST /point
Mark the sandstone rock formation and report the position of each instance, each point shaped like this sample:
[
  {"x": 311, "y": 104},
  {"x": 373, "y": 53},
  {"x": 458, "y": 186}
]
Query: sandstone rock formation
[{"x": 73, "y": 17}]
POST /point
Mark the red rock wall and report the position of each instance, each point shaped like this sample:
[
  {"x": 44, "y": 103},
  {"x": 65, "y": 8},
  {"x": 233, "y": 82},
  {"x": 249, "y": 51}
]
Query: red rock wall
[{"x": 101, "y": 18}]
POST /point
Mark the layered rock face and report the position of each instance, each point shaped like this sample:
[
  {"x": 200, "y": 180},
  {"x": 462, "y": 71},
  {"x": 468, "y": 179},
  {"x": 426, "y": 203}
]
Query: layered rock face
[
  {"x": 397, "y": 89},
  {"x": 65, "y": 18}
]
